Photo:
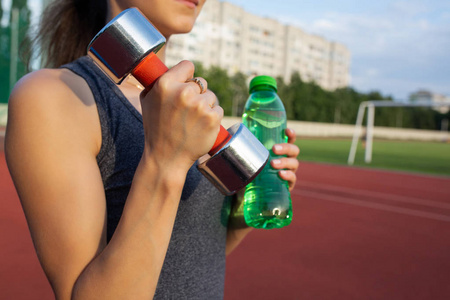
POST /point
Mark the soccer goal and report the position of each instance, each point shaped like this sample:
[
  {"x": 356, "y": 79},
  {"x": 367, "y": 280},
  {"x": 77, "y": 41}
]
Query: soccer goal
[{"x": 370, "y": 106}]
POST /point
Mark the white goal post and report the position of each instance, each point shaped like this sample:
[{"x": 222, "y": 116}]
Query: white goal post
[{"x": 370, "y": 105}]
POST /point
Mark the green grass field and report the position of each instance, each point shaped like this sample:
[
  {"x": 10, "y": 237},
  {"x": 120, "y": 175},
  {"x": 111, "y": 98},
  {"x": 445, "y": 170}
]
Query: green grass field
[{"x": 417, "y": 157}]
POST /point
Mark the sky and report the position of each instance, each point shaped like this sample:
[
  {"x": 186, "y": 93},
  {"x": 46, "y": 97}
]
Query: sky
[{"x": 398, "y": 47}]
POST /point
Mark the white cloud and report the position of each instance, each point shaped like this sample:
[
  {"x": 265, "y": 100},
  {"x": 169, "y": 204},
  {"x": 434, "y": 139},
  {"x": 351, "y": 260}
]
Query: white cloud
[
  {"x": 395, "y": 52},
  {"x": 397, "y": 46}
]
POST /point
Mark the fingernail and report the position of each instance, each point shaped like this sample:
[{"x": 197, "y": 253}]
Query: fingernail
[
  {"x": 277, "y": 148},
  {"x": 276, "y": 161}
]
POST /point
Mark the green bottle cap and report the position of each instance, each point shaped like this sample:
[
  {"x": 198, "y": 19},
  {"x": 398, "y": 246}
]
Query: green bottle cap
[{"x": 263, "y": 80}]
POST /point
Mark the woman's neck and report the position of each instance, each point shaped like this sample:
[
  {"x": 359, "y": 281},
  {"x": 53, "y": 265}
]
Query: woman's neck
[{"x": 162, "y": 53}]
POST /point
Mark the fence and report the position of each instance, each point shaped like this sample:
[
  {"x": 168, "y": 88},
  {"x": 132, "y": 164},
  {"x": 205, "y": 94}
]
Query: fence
[{"x": 330, "y": 130}]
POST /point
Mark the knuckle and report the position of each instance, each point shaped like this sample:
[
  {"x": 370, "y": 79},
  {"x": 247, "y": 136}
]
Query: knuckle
[
  {"x": 286, "y": 161},
  {"x": 214, "y": 119},
  {"x": 211, "y": 119},
  {"x": 201, "y": 108},
  {"x": 291, "y": 176},
  {"x": 162, "y": 85},
  {"x": 189, "y": 65},
  {"x": 219, "y": 110},
  {"x": 185, "y": 96},
  {"x": 292, "y": 150}
]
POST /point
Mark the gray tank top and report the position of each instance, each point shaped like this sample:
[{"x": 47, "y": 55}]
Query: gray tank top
[{"x": 194, "y": 267}]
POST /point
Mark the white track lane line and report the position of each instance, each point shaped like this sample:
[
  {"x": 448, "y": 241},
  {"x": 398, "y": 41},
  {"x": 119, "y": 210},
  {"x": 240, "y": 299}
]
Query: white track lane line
[
  {"x": 378, "y": 195},
  {"x": 368, "y": 204}
]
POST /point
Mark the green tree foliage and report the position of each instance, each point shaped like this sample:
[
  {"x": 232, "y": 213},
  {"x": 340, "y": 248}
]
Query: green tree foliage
[
  {"x": 288, "y": 101},
  {"x": 239, "y": 88},
  {"x": 219, "y": 82},
  {"x": 20, "y": 29},
  {"x": 307, "y": 101}
]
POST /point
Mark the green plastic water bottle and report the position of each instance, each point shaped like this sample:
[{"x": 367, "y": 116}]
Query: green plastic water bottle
[{"x": 267, "y": 200}]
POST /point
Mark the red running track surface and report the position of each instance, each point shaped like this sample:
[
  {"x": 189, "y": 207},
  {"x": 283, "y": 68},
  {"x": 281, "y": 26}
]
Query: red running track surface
[{"x": 356, "y": 234}]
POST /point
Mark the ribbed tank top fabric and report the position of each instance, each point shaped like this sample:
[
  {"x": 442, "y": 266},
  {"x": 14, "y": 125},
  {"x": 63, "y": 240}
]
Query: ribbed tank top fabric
[{"x": 194, "y": 267}]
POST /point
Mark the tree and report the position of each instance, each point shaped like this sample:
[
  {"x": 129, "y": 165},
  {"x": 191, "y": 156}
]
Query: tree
[
  {"x": 239, "y": 93},
  {"x": 12, "y": 36},
  {"x": 293, "y": 96},
  {"x": 199, "y": 69},
  {"x": 220, "y": 83},
  {"x": 288, "y": 101},
  {"x": 307, "y": 101}
]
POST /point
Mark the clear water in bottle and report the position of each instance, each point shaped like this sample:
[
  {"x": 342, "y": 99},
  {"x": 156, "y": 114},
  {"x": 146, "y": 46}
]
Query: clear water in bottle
[{"x": 267, "y": 200}]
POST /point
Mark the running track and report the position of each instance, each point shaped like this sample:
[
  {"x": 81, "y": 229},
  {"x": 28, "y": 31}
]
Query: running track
[{"x": 356, "y": 234}]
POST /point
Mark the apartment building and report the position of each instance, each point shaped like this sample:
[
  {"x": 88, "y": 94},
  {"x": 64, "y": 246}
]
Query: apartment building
[
  {"x": 428, "y": 96},
  {"x": 227, "y": 36}
]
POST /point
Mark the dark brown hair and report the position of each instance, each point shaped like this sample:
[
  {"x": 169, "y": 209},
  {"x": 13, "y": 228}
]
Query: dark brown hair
[{"x": 67, "y": 27}]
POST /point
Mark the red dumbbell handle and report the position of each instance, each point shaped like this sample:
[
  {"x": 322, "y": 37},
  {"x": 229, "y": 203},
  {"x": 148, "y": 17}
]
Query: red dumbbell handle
[{"x": 149, "y": 70}]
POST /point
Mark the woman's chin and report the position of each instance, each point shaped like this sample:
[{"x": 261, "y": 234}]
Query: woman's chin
[{"x": 178, "y": 29}]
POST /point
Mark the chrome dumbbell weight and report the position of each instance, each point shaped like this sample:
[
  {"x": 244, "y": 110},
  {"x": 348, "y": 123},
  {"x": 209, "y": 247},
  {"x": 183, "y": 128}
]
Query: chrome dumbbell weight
[{"x": 127, "y": 45}]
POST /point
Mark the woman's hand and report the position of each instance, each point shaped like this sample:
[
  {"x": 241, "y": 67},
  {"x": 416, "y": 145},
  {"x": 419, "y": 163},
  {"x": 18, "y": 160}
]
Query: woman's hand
[
  {"x": 180, "y": 124},
  {"x": 287, "y": 165}
]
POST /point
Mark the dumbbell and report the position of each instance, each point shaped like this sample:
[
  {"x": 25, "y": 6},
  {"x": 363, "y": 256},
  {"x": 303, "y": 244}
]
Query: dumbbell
[{"x": 128, "y": 45}]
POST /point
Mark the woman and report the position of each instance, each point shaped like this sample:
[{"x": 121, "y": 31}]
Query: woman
[{"x": 106, "y": 175}]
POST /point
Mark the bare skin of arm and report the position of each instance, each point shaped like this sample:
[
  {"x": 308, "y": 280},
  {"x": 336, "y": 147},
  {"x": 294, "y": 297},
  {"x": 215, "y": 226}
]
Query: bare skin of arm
[
  {"x": 237, "y": 229},
  {"x": 53, "y": 137}
]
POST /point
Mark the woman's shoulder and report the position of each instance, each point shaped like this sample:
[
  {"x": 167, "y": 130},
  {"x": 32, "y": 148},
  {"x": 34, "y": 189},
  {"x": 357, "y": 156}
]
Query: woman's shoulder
[
  {"x": 47, "y": 86},
  {"x": 56, "y": 101}
]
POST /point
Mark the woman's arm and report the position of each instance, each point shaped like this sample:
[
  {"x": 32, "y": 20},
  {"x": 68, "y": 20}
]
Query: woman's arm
[
  {"x": 51, "y": 146},
  {"x": 237, "y": 229}
]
